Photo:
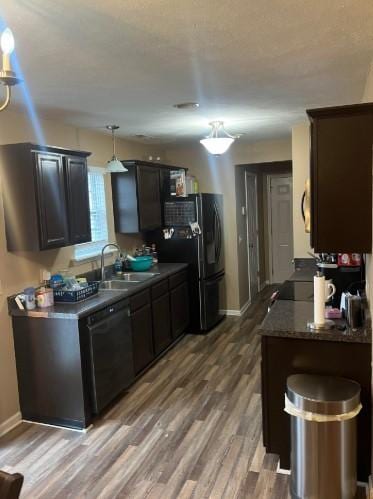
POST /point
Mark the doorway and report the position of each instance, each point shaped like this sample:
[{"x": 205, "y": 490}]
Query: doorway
[
  {"x": 280, "y": 226},
  {"x": 252, "y": 232}
]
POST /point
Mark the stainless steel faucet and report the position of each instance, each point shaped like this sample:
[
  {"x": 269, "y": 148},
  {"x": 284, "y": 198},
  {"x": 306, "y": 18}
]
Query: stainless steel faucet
[{"x": 103, "y": 259}]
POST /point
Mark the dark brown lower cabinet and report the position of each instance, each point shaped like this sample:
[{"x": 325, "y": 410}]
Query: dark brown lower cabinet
[
  {"x": 143, "y": 352},
  {"x": 179, "y": 300},
  {"x": 282, "y": 357},
  {"x": 161, "y": 323}
]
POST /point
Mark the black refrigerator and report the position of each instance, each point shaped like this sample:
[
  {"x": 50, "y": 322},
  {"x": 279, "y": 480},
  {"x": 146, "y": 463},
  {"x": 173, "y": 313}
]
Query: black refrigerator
[{"x": 201, "y": 246}]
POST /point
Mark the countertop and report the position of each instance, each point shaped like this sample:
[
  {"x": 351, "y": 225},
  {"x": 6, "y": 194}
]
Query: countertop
[
  {"x": 305, "y": 274},
  {"x": 288, "y": 319},
  {"x": 101, "y": 300}
]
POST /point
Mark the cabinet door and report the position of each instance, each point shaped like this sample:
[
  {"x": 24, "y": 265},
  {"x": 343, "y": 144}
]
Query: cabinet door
[
  {"x": 78, "y": 199},
  {"x": 149, "y": 198},
  {"x": 161, "y": 323},
  {"x": 51, "y": 200},
  {"x": 179, "y": 300},
  {"x": 143, "y": 352},
  {"x": 341, "y": 183}
]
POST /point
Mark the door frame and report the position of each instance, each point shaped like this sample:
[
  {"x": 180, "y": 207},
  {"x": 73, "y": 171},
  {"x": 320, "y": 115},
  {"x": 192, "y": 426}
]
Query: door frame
[
  {"x": 253, "y": 175},
  {"x": 269, "y": 218}
]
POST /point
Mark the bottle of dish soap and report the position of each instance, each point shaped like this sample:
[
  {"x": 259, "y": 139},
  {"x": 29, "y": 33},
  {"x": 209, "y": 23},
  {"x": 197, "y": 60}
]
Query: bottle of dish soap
[{"x": 118, "y": 265}]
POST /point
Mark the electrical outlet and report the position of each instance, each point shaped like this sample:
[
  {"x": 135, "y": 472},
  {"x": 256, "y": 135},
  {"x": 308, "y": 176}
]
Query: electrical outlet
[{"x": 45, "y": 275}]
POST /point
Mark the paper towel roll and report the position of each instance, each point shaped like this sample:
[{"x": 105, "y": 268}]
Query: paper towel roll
[{"x": 319, "y": 299}]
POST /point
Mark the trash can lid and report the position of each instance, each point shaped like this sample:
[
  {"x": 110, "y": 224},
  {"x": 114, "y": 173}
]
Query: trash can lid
[{"x": 323, "y": 394}]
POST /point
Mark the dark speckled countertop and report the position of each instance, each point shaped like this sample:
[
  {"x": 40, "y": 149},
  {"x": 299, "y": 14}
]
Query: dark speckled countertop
[
  {"x": 99, "y": 301},
  {"x": 289, "y": 319},
  {"x": 305, "y": 274}
]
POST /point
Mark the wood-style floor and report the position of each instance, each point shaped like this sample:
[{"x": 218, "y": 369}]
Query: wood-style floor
[{"x": 189, "y": 428}]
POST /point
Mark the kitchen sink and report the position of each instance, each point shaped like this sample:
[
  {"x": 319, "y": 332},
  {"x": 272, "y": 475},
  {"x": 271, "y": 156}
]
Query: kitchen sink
[
  {"x": 114, "y": 285},
  {"x": 136, "y": 276}
]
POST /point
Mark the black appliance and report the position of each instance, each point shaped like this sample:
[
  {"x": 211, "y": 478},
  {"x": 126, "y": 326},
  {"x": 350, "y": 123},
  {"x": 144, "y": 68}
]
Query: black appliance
[
  {"x": 344, "y": 278},
  {"x": 111, "y": 353},
  {"x": 202, "y": 247}
]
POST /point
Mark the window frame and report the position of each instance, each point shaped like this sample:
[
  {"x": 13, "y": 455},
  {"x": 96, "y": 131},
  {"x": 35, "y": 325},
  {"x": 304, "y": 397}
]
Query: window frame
[{"x": 95, "y": 246}]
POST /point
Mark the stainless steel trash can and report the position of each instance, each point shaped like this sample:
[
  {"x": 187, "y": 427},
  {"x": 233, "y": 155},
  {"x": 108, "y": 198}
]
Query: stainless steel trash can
[{"x": 323, "y": 412}]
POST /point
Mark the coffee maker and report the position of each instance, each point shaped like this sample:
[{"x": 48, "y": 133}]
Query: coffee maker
[{"x": 350, "y": 276}]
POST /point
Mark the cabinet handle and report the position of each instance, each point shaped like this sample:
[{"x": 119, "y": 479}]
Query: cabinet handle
[{"x": 302, "y": 206}]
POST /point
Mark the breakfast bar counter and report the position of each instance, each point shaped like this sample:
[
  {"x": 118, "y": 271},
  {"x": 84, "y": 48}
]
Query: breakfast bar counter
[{"x": 289, "y": 347}]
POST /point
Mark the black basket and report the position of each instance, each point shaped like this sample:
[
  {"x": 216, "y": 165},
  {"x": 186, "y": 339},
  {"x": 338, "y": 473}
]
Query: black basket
[{"x": 77, "y": 295}]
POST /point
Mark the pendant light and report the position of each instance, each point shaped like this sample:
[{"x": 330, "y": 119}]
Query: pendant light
[
  {"x": 114, "y": 165},
  {"x": 218, "y": 145}
]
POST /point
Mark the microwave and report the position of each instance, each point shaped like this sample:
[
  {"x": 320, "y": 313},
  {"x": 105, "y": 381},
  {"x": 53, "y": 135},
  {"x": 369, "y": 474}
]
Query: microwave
[{"x": 306, "y": 206}]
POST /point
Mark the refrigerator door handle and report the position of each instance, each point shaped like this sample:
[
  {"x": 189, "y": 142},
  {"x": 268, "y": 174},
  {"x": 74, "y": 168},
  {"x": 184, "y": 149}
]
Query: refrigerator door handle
[
  {"x": 212, "y": 282},
  {"x": 219, "y": 235}
]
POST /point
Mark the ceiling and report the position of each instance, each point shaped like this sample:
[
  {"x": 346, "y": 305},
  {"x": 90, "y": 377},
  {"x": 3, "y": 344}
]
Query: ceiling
[{"x": 256, "y": 64}]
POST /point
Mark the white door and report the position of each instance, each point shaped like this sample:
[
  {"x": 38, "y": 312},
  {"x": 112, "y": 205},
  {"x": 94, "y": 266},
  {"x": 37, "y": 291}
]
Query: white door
[
  {"x": 281, "y": 226},
  {"x": 252, "y": 233}
]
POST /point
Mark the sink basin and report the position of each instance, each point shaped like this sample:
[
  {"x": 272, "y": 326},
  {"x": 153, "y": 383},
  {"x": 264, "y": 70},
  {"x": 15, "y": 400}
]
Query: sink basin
[
  {"x": 126, "y": 281},
  {"x": 114, "y": 285},
  {"x": 137, "y": 276}
]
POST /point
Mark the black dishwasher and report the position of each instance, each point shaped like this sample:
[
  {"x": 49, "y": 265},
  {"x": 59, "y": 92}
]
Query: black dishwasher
[{"x": 111, "y": 353}]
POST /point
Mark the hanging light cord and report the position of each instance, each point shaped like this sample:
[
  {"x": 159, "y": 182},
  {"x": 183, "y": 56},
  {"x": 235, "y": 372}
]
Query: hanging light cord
[{"x": 113, "y": 136}]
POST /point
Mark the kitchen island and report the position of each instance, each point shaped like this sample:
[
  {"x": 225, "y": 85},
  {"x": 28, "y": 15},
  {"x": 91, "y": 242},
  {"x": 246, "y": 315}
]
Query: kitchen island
[{"x": 289, "y": 347}]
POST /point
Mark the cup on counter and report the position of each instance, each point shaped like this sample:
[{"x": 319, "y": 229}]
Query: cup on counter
[
  {"x": 29, "y": 298},
  {"x": 330, "y": 289},
  {"x": 44, "y": 297}
]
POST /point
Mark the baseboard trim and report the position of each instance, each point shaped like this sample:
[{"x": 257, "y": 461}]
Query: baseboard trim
[
  {"x": 263, "y": 285},
  {"x": 245, "y": 307},
  {"x": 238, "y": 313},
  {"x": 10, "y": 423},
  {"x": 235, "y": 313},
  {"x": 282, "y": 471},
  {"x": 80, "y": 430}
]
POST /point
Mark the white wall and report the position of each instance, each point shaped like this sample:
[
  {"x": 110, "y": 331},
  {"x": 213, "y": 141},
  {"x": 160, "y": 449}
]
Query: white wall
[{"x": 301, "y": 171}]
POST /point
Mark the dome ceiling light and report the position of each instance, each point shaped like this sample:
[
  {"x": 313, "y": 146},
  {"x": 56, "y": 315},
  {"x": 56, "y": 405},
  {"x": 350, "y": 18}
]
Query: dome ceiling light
[
  {"x": 114, "y": 165},
  {"x": 219, "y": 140},
  {"x": 187, "y": 105}
]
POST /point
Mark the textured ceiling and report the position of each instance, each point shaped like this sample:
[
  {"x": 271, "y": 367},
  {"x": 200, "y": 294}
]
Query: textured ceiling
[{"x": 256, "y": 64}]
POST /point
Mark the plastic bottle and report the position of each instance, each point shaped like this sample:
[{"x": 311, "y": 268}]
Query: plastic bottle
[
  {"x": 118, "y": 265},
  {"x": 154, "y": 254}
]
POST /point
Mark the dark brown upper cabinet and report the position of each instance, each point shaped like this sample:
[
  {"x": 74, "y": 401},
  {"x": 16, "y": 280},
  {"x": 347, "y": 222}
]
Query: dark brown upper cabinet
[
  {"x": 138, "y": 195},
  {"x": 45, "y": 193},
  {"x": 341, "y": 178},
  {"x": 76, "y": 175}
]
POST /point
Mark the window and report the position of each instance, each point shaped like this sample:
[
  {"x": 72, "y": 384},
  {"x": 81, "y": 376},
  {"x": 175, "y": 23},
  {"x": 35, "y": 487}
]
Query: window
[{"x": 99, "y": 227}]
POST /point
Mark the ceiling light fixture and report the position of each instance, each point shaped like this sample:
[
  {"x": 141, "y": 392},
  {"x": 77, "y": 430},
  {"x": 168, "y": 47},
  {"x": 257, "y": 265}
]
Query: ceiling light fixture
[
  {"x": 218, "y": 145},
  {"x": 187, "y": 105},
  {"x": 7, "y": 77},
  {"x": 114, "y": 165}
]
